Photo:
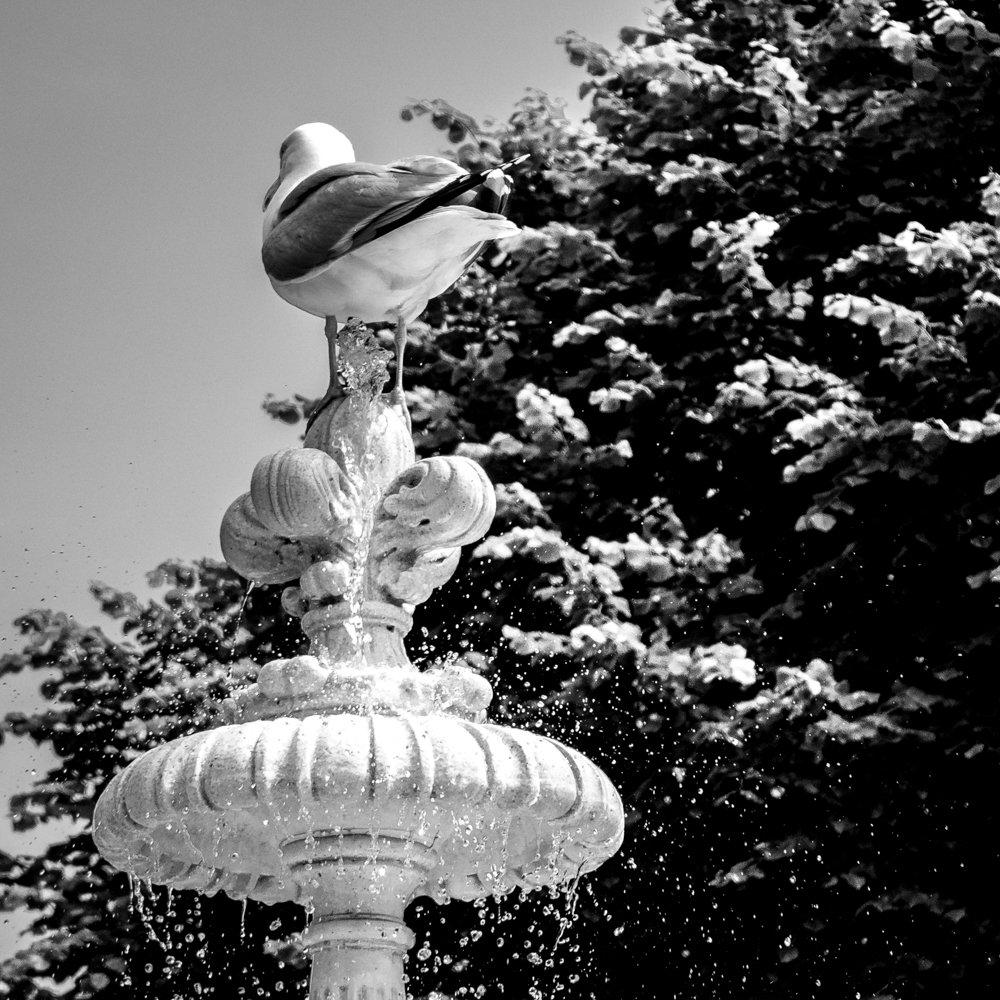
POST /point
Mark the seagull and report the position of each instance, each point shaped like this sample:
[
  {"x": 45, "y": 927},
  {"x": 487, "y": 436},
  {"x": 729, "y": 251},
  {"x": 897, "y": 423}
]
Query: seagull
[{"x": 374, "y": 242}]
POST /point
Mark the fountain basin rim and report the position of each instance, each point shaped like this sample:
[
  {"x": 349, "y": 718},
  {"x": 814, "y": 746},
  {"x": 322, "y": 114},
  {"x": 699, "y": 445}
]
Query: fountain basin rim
[{"x": 276, "y": 779}]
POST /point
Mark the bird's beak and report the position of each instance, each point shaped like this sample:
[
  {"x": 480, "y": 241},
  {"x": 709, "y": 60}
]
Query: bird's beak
[{"x": 270, "y": 193}]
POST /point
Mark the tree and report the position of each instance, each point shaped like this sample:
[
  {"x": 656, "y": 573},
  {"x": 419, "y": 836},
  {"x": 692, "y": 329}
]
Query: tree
[{"x": 736, "y": 384}]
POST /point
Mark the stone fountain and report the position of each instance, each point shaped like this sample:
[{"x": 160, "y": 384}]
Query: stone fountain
[{"x": 348, "y": 780}]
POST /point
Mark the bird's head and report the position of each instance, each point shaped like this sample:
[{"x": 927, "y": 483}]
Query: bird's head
[{"x": 306, "y": 150}]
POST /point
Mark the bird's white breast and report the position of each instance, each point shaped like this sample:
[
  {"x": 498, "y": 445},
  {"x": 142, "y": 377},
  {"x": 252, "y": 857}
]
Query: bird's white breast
[{"x": 396, "y": 275}]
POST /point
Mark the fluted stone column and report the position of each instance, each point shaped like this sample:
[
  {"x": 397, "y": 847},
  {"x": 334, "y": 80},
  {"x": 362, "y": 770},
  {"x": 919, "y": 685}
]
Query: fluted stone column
[{"x": 360, "y": 886}]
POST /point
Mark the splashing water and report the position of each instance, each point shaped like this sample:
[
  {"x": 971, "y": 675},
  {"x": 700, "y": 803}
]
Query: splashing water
[
  {"x": 572, "y": 899},
  {"x": 364, "y": 365},
  {"x": 355, "y": 594},
  {"x": 140, "y": 908},
  {"x": 237, "y": 622},
  {"x": 530, "y": 927},
  {"x": 251, "y": 584}
]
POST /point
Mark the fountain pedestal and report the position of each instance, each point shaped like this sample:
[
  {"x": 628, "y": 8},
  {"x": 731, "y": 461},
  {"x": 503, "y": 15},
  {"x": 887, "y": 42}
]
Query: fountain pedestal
[
  {"x": 346, "y": 779},
  {"x": 358, "y": 959},
  {"x": 360, "y": 886}
]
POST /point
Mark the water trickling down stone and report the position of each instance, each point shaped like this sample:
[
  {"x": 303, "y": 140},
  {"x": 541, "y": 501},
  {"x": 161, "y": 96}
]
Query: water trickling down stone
[{"x": 345, "y": 779}]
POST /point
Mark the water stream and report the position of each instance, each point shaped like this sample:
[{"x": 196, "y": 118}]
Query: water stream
[{"x": 364, "y": 368}]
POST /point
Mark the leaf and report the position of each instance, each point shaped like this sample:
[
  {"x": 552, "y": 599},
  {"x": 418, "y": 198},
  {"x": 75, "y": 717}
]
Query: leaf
[{"x": 816, "y": 520}]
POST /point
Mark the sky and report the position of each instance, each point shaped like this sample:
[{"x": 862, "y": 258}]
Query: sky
[{"x": 139, "y": 334}]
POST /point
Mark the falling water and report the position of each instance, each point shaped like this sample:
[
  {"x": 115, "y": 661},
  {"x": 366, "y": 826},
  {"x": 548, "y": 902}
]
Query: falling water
[
  {"x": 572, "y": 898},
  {"x": 251, "y": 584},
  {"x": 354, "y": 596},
  {"x": 365, "y": 369},
  {"x": 237, "y": 622}
]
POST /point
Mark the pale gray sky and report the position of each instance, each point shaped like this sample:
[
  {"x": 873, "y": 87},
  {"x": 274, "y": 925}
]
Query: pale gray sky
[{"x": 139, "y": 332}]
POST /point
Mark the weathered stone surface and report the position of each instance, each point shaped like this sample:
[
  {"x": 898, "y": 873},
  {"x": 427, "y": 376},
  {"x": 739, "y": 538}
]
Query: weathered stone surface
[
  {"x": 353, "y": 510},
  {"x": 496, "y": 808},
  {"x": 346, "y": 778},
  {"x": 373, "y": 436},
  {"x": 428, "y": 512},
  {"x": 253, "y": 549},
  {"x": 301, "y": 675},
  {"x": 303, "y": 493}
]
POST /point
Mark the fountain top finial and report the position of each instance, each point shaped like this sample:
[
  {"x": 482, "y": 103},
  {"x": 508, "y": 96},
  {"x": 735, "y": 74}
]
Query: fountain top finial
[{"x": 369, "y": 532}]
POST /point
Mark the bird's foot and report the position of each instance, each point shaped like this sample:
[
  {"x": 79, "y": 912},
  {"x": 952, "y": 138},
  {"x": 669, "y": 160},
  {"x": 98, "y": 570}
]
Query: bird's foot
[
  {"x": 336, "y": 391},
  {"x": 397, "y": 398}
]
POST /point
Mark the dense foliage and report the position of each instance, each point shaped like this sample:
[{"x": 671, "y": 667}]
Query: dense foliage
[{"x": 736, "y": 383}]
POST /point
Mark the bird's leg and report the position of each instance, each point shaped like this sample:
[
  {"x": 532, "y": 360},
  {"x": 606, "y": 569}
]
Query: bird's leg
[
  {"x": 397, "y": 396},
  {"x": 335, "y": 391},
  {"x": 333, "y": 343},
  {"x": 400, "y": 340}
]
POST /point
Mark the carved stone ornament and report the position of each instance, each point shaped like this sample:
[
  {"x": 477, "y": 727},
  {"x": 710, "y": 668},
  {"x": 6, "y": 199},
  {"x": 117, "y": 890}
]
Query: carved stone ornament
[{"x": 347, "y": 779}]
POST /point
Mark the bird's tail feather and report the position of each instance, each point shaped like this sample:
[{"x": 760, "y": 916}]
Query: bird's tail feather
[{"x": 395, "y": 217}]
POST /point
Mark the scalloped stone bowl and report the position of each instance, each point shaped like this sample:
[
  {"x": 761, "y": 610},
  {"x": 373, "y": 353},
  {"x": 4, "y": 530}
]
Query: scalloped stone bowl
[
  {"x": 321, "y": 800},
  {"x": 496, "y": 808}
]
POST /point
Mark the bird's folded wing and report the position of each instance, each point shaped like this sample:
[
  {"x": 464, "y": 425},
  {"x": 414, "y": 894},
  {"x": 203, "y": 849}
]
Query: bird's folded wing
[
  {"x": 428, "y": 166},
  {"x": 345, "y": 206},
  {"x": 320, "y": 218}
]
